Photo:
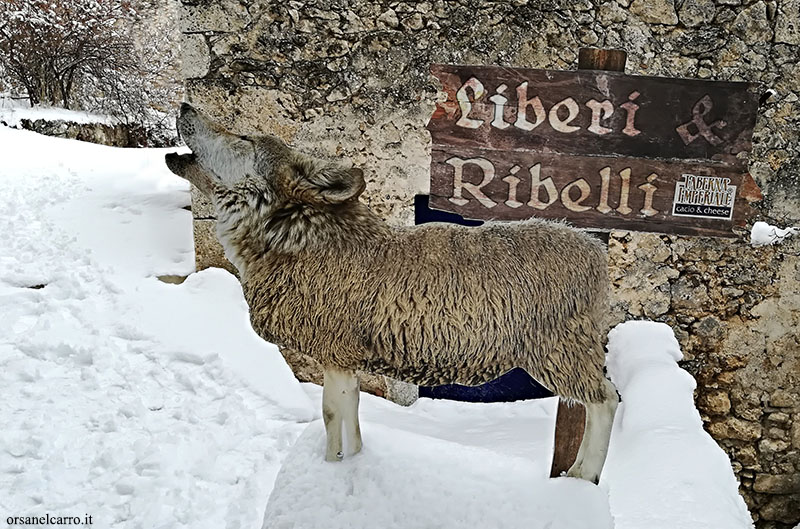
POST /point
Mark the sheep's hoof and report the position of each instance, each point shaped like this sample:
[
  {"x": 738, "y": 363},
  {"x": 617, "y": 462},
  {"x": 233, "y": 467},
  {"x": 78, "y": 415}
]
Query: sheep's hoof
[
  {"x": 334, "y": 458},
  {"x": 577, "y": 472}
]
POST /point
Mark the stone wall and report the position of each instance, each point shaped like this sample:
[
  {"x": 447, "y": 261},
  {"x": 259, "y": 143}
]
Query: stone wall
[
  {"x": 116, "y": 135},
  {"x": 736, "y": 311},
  {"x": 349, "y": 79}
]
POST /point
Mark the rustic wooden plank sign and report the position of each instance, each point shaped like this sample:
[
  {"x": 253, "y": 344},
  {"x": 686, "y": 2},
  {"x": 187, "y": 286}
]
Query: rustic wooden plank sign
[{"x": 600, "y": 149}]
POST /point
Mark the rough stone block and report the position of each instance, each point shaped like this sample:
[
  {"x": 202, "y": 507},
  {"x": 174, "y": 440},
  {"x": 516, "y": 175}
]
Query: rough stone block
[
  {"x": 401, "y": 392},
  {"x": 224, "y": 16},
  {"x": 655, "y": 11},
  {"x": 694, "y": 13},
  {"x": 716, "y": 403},
  {"x": 710, "y": 328},
  {"x": 752, "y": 24},
  {"x": 196, "y": 59},
  {"x": 748, "y": 412},
  {"x": 778, "y": 418},
  {"x": 772, "y": 446},
  {"x": 171, "y": 279},
  {"x": 787, "y": 27},
  {"x": 777, "y": 484},
  {"x": 747, "y": 456},
  {"x": 781, "y": 399},
  {"x": 733, "y": 428},
  {"x": 689, "y": 293},
  {"x": 776, "y": 433},
  {"x": 785, "y": 509},
  {"x": 208, "y": 251}
]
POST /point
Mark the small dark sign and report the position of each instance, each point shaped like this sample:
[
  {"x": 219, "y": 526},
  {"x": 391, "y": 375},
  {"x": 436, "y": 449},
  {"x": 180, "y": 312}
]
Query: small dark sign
[
  {"x": 708, "y": 197},
  {"x": 601, "y": 149}
]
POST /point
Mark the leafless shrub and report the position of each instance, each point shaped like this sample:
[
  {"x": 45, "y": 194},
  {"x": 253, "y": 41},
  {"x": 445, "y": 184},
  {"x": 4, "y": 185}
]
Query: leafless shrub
[{"x": 109, "y": 56}]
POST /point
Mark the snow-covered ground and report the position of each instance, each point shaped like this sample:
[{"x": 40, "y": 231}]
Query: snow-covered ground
[{"x": 151, "y": 405}]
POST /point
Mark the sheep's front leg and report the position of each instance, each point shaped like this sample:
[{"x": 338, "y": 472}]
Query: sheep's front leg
[{"x": 340, "y": 396}]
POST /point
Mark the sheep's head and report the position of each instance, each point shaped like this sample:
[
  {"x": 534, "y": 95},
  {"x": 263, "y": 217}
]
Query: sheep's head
[
  {"x": 264, "y": 192},
  {"x": 256, "y": 171}
]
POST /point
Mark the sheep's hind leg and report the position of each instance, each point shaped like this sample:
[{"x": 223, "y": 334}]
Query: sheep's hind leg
[
  {"x": 594, "y": 445},
  {"x": 340, "y": 396}
]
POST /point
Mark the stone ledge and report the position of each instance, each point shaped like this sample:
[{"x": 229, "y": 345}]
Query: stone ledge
[{"x": 777, "y": 484}]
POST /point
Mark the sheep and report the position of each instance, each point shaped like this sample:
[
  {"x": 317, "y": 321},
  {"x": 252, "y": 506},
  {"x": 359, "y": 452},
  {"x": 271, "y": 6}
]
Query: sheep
[{"x": 432, "y": 304}]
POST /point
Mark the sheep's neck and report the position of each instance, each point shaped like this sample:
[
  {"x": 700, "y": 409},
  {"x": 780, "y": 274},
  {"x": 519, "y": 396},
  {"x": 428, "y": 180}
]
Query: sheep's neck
[{"x": 295, "y": 228}]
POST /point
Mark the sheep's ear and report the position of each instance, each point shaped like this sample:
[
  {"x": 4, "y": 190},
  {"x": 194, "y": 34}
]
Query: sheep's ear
[{"x": 333, "y": 185}]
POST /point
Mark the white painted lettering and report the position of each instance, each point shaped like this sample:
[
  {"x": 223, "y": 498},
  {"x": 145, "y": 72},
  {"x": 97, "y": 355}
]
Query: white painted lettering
[
  {"x": 649, "y": 191},
  {"x": 475, "y": 190},
  {"x": 625, "y": 175},
  {"x": 512, "y": 182},
  {"x": 576, "y": 205},
  {"x": 631, "y": 108},
  {"x": 605, "y": 181},
  {"x": 499, "y": 107},
  {"x": 465, "y": 105},
  {"x": 522, "y": 108},
  {"x": 563, "y": 125},
  {"x": 536, "y": 185},
  {"x": 600, "y": 111}
]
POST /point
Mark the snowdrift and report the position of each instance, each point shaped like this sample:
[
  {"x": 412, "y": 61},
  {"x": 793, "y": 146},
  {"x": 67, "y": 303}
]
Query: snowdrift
[
  {"x": 664, "y": 470},
  {"x": 401, "y": 479},
  {"x": 143, "y": 404}
]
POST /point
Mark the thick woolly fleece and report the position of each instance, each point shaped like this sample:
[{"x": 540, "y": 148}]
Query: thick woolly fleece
[
  {"x": 441, "y": 303},
  {"x": 433, "y": 304}
]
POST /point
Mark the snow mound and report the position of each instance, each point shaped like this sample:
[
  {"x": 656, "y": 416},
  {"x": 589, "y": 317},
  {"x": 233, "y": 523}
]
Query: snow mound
[
  {"x": 663, "y": 470},
  {"x": 401, "y": 479},
  {"x": 763, "y": 234}
]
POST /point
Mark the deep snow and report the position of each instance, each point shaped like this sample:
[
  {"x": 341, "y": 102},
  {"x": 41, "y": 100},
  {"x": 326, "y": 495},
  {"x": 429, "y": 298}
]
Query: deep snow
[
  {"x": 402, "y": 479},
  {"x": 150, "y": 405},
  {"x": 663, "y": 471}
]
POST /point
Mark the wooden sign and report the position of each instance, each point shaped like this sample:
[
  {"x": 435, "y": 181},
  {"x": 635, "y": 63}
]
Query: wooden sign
[{"x": 600, "y": 149}]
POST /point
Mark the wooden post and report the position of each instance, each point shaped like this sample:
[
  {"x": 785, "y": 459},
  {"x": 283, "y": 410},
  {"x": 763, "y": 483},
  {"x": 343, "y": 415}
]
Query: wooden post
[
  {"x": 570, "y": 424},
  {"x": 571, "y": 420},
  {"x": 597, "y": 59}
]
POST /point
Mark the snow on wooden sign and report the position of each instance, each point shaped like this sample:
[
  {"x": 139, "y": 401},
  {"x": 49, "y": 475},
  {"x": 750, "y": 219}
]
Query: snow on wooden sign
[{"x": 600, "y": 149}]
